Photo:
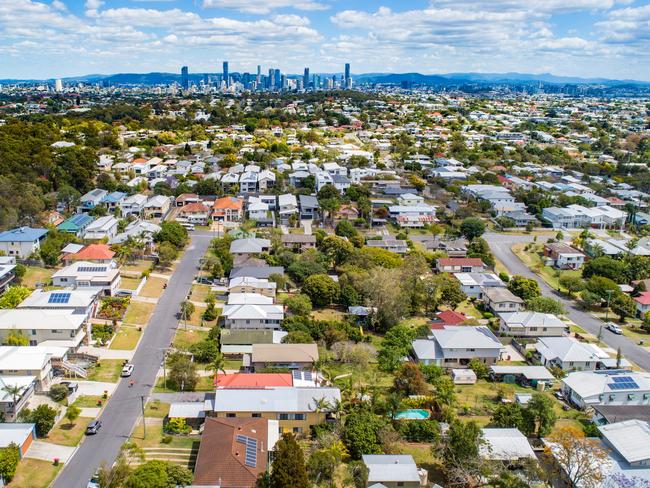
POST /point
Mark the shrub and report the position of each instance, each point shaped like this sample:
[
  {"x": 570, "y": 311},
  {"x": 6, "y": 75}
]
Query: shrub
[
  {"x": 177, "y": 426},
  {"x": 58, "y": 392},
  {"x": 419, "y": 430},
  {"x": 102, "y": 332},
  {"x": 167, "y": 439}
]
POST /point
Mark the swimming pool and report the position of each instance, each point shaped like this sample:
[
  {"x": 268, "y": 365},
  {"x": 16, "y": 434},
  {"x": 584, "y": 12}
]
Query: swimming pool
[{"x": 413, "y": 414}]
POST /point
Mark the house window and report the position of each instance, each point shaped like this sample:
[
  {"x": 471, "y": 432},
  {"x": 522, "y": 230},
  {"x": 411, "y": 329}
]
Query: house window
[
  {"x": 297, "y": 430},
  {"x": 257, "y": 415},
  {"x": 231, "y": 415},
  {"x": 56, "y": 331},
  {"x": 283, "y": 416},
  {"x": 33, "y": 331},
  {"x": 299, "y": 416}
]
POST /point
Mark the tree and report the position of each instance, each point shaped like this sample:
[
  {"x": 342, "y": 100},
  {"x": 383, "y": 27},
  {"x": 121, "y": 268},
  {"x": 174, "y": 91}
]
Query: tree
[
  {"x": 581, "y": 459},
  {"x": 72, "y": 413},
  {"x": 289, "y": 469},
  {"x": 345, "y": 229},
  {"x": 472, "y": 227},
  {"x": 321, "y": 466},
  {"x": 603, "y": 287},
  {"x": 545, "y": 305},
  {"x": 480, "y": 368},
  {"x": 479, "y": 248},
  {"x": 588, "y": 300},
  {"x": 361, "y": 433},
  {"x": 451, "y": 294},
  {"x": 43, "y": 416},
  {"x": 159, "y": 474},
  {"x": 9, "y": 459},
  {"x": 539, "y": 415},
  {"x": 395, "y": 346},
  {"x": 604, "y": 266},
  {"x": 508, "y": 415},
  {"x": 571, "y": 283},
  {"x": 384, "y": 293},
  {"x": 15, "y": 391},
  {"x": 182, "y": 372},
  {"x": 167, "y": 253},
  {"x": 299, "y": 305},
  {"x": 58, "y": 392},
  {"x": 336, "y": 248},
  {"x": 172, "y": 232},
  {"x": 409, "y": 380},
  {"x": 359, "y": 473},
  {"x": 14, "y": 296},
  {"x": 16, "y": 338},
  {"x": 524, "y": 288},
  {"x": 624, "y": 306},
  {"x": 298, "y": 337},
  {"x": 460, "y": 452},
  {"x": 187, "y": 309},
  {"x": 321, "y": 289}
]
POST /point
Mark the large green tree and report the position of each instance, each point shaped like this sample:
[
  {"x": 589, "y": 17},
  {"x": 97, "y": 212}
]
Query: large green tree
[{"x": 288, "y": 469}]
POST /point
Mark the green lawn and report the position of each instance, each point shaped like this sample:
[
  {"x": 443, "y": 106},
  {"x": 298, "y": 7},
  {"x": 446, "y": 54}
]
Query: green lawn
[
  {"x": 205, "y": 383},
  {"x": 107, "y": 370},
  {"x": 199, "y": 292},
  {"x": 415, "y": 322},
  {"x": 137, "y": 266},
  {"x": 126, "y": 338},
  {"x": 68, "y": 434},
  {"x": 129, "y": 283},
  {"x": 533, "y": 261},
  {"x": 36, "y": 274},
  {"x": 636, "y": 333},
  {"x": 328, "y": 314},
  {"x": 469, "y": 310},
  {"x": 233, "y": 364},
  {"x": 33, "y": 473},
  {"x": 154, "y": 437},
  {"x": 139, "y": 313},
  {"x": 88, "y": 401},
  {"x": 185, "y": 338},
  {"x": 153, "y": 287},
  {"x": 157, "y": 409}
]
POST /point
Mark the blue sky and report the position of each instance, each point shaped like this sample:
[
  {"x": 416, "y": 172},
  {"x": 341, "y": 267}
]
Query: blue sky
[{"x": 58, "y": 38}]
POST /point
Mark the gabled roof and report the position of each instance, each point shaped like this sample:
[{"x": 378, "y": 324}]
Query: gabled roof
[
  {"x": 231, "y": 203},
  {"x": 566, "y": 349},
  {"x": 531, "y": 319},
  {"x": 273, "y": 353},
  {"x": 92, "y": 252},
  {"x": 451, "y": 317},
  {"x": 460, "y": 336},
  {"x": 505, "y": 445},
  {"x": 22, "y": 234},
  {"x": 630, "y": 438}
]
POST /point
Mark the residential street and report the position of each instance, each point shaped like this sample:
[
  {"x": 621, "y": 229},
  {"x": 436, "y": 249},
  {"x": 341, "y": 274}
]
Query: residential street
[
  {"x": 124, "y": 407},
  {"x": 501, "y": 244}
]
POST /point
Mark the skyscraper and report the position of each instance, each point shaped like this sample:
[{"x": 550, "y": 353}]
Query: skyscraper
[
  {"x": 58, "y": 85},
  {"x": 277, "y": 78},
  {"x": 348, "y": 79},
  {"x": 226, "y": 75},
  {"x": 185, "y": 80},
  {"x": 305, "y": 79}
]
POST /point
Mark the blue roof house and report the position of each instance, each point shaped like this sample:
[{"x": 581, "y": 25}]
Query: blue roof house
[{"x": 21, "y": 242}]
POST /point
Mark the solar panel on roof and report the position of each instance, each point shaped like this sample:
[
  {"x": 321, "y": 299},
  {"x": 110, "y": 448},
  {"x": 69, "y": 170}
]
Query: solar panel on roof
[
  {"x": 250, "y": 458},
  {"x": 59, "y": 298},
  {"x": 624, "y": 385},
  {"x": 91, "y": 269}
]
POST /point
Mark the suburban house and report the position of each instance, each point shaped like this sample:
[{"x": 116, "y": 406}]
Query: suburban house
[
  {"x": 82, "y": 274},
  {"x": 44, "y": 327},
  {"x": 287, "y": 206},
  {"x": 244, "y": 446},
  {"x": 524, "y": 375},
  {"x": 454, "y": 346},
  {"x": 228, "y": 210},
  {"x": 393, "y": 471},
  {"x": 11, "y": 405},
  {"x": 620, "y": 387},
  {"x": 237, "y": 342},
  {"x": 21, "y": 242},
  {"x": 531, "y": 324},
  {"x": 258, "y": 316},
  {"x": 194, "y": 213},
  {"x": 308, "y": 207},
  {"x": 290, "y": 356},
  {"x": 80, "y": 302},
  {"x": 246, "y": 284},
  {"x": 642, "y": 303},
  {"x": 453, "y": 248},
  {"x": 91, "y": 199},
  {"x": 249, "y": 245},
  {"x": 449, "y": 317},
  {"x": 563, "y": 256},
  {"x": 157, "y": 207},
  {"x": 460, "y": 265},
  {"x": 508, "y": 445},
  {"x": 567, "y": 353},
  {"x": 7, "y": 274},
  {"x": 256, "y": 271},
  {"x": 473, "y": 284},
  {"x": 501, "y": 300},
  {"x": 296, "y": 409},
  {"x": 101, "y": 228},
  {"x": 16, "y": 433},
  {"x": 76, "y": 224},
  {"x": 412, "y": 215},
  {"x": 298, "y": 242},
  {"x": 133, "y": 205},
  {"x": 92, "y": 253},
  {"x": 398, "y": 246},
  {"x": 36, "y": 361}
]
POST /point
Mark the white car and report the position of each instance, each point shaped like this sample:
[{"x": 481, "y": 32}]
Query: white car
[
  {"x": 127, "y": 370},
  {"x": 612, "y": 327}
]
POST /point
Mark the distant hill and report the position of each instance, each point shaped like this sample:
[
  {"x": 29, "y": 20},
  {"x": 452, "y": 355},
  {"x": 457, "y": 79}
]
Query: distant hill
[{"x": 449, "y": 79}]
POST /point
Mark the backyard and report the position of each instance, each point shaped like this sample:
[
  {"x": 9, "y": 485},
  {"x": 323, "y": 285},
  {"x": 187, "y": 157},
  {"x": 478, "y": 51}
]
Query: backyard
[{"x": 36, "y": 274}]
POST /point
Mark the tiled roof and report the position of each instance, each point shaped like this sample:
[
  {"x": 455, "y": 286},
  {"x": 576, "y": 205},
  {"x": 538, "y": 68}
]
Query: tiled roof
[
  {"x": 93, "y": 252},
  {"x": 460, "y": 262}
]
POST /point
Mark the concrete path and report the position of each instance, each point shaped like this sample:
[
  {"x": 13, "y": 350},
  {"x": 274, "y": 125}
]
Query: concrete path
[
  {"x": 95, "y": 388},
  {"x": 46, "y": 451},
  {"x": 104, "y": 353},
  {"x": 124, "y": 407},
  {"x": 501, "y": 245},
  {"x": 90, "y": 412},
  {"x": 160, "y": 275},
  {"x": 145, "y": 299},
  {"x": 306, "y": 224}
]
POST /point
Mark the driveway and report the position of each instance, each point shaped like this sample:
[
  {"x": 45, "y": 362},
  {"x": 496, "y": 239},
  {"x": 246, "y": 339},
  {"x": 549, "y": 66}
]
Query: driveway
[
  {"x": 124, "y": 406},
  {"x": 46, "y": 451},
  {"x": 501, "y": 248},
  {"x": 104, "y": 353},
  {"x": 95, "y": 388}
]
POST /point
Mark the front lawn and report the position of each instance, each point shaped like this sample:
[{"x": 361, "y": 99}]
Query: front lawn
[
  {"x": 155, "y": 435},
  {"x": 199, "y": 292},
  {"x": 137, "y": 267},
  {"x": 156, "y": 409},
  {"x": 68, "y": 434},
  {"x": 533, "y": 260},
  {"x": 153, "y": 287},
  {"x": 185, "y": 338},
  {"x": 34, "y": 473},
  {"x": 126, "y": 338},
  {"x": 139, "y": 313},
  {"x": 36, "y": 274},
  {"x": 88, "y": 401},
  {"x": 128, "y": 283},
  {"x": 107, "y": 370}
]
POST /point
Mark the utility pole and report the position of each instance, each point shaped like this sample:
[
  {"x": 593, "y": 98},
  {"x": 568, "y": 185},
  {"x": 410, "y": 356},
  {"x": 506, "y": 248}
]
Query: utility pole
[
  {"x": 144, "y": 423},
  {"x": 609, "y": 297}
]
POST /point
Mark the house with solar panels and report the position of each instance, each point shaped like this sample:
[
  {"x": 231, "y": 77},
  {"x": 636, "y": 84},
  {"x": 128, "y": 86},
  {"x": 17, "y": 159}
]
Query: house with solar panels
[
  {"x": 76, "y": 224},
  {"x": 79, "y": 302},
  {"x": 44, "y": 327},
  {"x": 608, "y": 387},
  {"x": 102, "y": 278}
]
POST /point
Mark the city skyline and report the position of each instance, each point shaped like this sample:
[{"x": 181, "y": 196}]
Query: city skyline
[{"x": 587, "y": 38}]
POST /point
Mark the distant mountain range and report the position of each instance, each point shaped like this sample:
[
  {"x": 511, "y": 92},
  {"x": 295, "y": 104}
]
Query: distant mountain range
[{"x": 449, "y": 79}]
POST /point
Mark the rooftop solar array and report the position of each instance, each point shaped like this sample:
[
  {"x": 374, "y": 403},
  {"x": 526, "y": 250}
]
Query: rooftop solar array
[
  {"x": 92, "y": 269},
  {"x": 250, "y": 458},
  {"x": 623, "y": 383},
  {"x": 59, "y": 298}
]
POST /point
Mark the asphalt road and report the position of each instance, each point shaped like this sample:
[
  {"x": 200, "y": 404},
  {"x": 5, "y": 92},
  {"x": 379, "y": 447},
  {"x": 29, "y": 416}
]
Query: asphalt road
[
  {"x": 124, "y": 407},
  {"x": 501, "y": 248}
]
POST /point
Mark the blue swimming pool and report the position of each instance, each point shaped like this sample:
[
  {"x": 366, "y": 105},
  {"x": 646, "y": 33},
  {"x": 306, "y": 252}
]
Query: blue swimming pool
[{"x": 413, "y": 414}]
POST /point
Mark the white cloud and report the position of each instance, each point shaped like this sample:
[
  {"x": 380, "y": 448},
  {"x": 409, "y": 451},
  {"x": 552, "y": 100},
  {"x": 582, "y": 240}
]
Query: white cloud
[
  {"x": 264, "y": 6},
  {"x": 59, "y": 5}
]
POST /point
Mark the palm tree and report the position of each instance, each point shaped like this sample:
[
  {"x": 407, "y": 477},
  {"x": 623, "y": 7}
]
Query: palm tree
[
  {"x": 15, "y": 391},
  {"x": 218, "y": 364},
  {"x": 321, "y": 405}
]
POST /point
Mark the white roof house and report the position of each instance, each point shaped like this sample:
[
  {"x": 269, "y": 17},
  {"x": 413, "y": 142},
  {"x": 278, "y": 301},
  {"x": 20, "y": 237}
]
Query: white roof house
[
  {"x": 531, "y": 324},
  {"x": 630, "y": 438},
  {"x": 278, "y": 399},
  {"x": 567, "y": 353},
  {"x": 505, "y": 445},
  {"x": 253, "y": 316},
  {"x": 454, "y": 346},
  {"x": 391, "y": 468},
  {"x": 83, "y": 274},
  {"x": 607, "y": 387},
  {"x": 249, "y": 299},
  {"x": 250, "y": 245},
  {"x": 101, "y": 228}
]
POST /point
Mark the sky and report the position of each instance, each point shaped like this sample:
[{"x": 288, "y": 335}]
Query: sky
[{"x": 60, "y": 38}]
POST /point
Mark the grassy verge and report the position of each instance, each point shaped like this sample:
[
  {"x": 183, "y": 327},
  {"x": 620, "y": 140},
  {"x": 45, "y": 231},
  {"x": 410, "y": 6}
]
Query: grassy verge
[
  {"x": 108, "y": 370},
  {"x": 139, "y": 313},
  {"x": 88, "y": 401},
  {"x": 199, "y": 292},
  {"x": 126, "y": 338},
  {"x": 185, "y": 338},
  {"x": 34, "y": 473},
  {"x": 68, "y": 434},
  {"x": 533, "y": 261},
  {"x": 156, "y": 409},
  {"x": 153, "y": 287}
]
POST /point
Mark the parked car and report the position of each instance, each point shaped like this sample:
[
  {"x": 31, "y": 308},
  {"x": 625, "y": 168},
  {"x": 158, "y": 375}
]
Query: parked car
[
  {"x": 94, "y": 481},
  {"x": 127, "y": 370},
  {"x": 93, "y": 427},
  {"x": 612, "y": 327},
  {"x": 124, "y": 293}
]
